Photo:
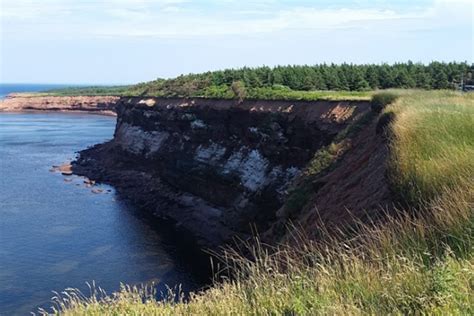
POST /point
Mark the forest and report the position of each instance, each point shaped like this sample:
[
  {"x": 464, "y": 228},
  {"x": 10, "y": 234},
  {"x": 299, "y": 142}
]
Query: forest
[
  {"x": 267, "y": 82},
  {"x": 323, "y": 81}
]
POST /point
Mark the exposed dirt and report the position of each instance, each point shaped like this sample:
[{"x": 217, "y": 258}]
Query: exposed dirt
[
  {"x": 30, "y": 102},
  {"x": 355, "y": 189},
  {"x": 324, "y": 112},
  {"x": 214, "y": 167}
]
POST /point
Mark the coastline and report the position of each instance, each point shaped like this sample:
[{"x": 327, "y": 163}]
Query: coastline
[
  {"x": 239, "y": 158},
  {"x": 68, "y": 111},
  {"x": 21, "y": 103}
]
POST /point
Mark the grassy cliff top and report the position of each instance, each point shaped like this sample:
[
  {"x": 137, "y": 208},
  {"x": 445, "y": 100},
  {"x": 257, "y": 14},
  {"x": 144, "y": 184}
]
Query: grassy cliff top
[
  {"x": 261, "y": 93},
  {"x": 414, "y": 263}
]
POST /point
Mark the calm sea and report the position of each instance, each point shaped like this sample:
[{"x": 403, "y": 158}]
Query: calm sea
[
  {"x": 6, "y": 88},
  {"x": 56, "y": 233}
]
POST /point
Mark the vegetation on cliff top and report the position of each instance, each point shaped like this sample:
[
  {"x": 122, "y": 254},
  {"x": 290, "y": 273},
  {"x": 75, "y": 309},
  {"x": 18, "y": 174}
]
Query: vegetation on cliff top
[
  {"x": 345, "y": 81},
  {"x": 419, "y": 261}
]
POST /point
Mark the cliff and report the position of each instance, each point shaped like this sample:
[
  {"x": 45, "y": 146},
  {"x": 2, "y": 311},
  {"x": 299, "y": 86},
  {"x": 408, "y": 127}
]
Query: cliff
[
  {"x": 18, "y": 102},
  {"x": 216, "y": 168}
]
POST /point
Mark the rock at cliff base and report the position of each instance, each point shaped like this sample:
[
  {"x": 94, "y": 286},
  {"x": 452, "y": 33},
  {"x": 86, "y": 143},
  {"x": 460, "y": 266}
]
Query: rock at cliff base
[
  {"x": 65, "y": 169},
  {"x": 89, "y": 182}
]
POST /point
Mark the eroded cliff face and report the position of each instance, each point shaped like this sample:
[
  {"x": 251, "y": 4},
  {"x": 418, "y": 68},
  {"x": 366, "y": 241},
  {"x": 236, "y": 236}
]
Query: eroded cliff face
[
  {"x": 214, "y": 167},
  {"x": 17, "y": 102}
]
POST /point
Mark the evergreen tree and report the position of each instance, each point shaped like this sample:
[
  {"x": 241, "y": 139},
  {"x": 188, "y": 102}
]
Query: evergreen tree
[
  {"x": 357, "y": 81},
  {"x": 440, "y": 80},
  {"x": 423, "y": 80},
  {"x": 403, "y": 80},
  {"x": 386, "y": 77},
  {"x": 331, "y": 78},
  {"x": 277, "y": 77},
  {"x": 372, "y": 77},
  {"x": 435, "y": 75},
  {"x": 343, "y": 83},
  {"x": 319, "y": 82}
]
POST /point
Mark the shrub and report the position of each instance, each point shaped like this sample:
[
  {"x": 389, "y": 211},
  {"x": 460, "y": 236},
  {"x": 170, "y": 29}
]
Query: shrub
[
  {"x": 238, "y": 88},
  {"x": 381, "y": 100}
]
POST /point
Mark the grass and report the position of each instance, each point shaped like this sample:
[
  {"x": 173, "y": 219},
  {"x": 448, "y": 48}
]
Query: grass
[
  {"x": 90, "y": 91},
  {"x": 381, "y": 100},
  {"x": 288, "y": 94},
  {"x": 419, "y": 261},
  {"x": 433, "y": 142},
  {"x": 268, "y": 93}
]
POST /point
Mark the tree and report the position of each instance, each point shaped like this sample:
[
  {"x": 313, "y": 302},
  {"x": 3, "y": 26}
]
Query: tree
[
  {"x": 330, "y": 77},
  {"x": 308, "y": 83},
  {"x": 218, "y": 78},
  {"x": 423, "y": 80},
  {"x": 277, "y": 77},
  {"x": 440, "y": 80},
  {"x": 342, "y": 80},
  {"x": 357, "y": 81},
  {"x": 261, "y": 81},
  {"x": 372, "y": 77},
  {"x": 228, "y": 76},
  {"x": 403, "y": 80}
]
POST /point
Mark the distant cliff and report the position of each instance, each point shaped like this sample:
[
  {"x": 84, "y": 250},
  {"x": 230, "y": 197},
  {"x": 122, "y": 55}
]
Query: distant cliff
[
  {"x": 215, "y": 167},
  {"x": 17, "y": 102}
]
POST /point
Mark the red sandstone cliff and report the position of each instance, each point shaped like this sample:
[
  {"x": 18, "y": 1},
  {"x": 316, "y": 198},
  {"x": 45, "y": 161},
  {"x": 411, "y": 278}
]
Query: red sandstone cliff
[{"x": 17, "y": 102}]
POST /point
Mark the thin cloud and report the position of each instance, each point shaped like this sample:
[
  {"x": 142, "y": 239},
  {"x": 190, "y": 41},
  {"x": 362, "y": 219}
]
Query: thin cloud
[
  {"x": 183, "y": 19},
  {"x": 293, "y": 19}
]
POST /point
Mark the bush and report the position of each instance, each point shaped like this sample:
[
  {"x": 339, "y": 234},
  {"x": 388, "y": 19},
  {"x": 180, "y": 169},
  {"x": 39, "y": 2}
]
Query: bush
[
  {"x": 238, "y": 88},
  {"x": 381, "y": 100}
]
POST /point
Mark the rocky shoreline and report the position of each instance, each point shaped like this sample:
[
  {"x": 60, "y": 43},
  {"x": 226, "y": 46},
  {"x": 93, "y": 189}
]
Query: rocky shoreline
[
  {"x": 22, "y": 102},
  {"x": 136, "y": 181}
]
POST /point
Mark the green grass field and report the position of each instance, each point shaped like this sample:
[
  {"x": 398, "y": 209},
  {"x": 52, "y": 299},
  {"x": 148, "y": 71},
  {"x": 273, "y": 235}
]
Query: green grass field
[{"x": 419, "y": 264}]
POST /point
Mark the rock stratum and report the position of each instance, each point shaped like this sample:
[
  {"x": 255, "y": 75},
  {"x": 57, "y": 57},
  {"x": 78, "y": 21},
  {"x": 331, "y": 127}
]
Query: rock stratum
[
  {"x": 19, "y": 102},
  {"x": 220, "y": 169}
]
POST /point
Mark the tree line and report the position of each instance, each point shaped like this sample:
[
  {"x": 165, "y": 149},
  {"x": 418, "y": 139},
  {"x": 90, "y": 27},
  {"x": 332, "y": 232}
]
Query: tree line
[{"x": 336, "y": 77}]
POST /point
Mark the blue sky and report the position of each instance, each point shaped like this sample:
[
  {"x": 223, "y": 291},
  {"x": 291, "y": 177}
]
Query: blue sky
[{"x": 128, "y": 41}]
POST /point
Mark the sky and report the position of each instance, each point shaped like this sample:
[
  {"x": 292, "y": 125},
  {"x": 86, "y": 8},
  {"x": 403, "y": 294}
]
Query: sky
[{"x": 130, "y": 41}]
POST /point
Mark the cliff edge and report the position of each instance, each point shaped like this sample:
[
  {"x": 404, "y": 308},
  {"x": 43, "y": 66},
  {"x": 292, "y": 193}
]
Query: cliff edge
[
  {"x": 217, "y": 168},
  {"x": 19, "y": 102}
]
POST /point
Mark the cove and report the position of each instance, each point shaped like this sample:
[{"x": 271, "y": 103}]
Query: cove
[{"x": 57, "y": 233}]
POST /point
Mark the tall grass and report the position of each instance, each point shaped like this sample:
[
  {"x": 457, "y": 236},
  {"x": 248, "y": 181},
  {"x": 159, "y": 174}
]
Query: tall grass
[
  {"x": 410, "y": 264},
  {"x": 384, "y": 270},
  {"x": 433, "y": 143}
]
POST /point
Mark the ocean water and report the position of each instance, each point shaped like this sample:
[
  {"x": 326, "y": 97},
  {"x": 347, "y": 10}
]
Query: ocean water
[
  {"x": 6, "y": 88},
  {"x": 56, "y": 233}
]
